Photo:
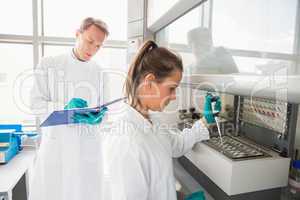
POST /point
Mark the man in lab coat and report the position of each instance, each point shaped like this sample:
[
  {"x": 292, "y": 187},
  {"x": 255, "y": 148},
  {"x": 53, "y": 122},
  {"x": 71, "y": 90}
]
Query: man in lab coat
[
  {"x": 208, "y": 58},
  {"x": 69, "y": 164}
]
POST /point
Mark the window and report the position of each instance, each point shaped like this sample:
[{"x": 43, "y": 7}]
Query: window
[
  {"x": 177, "y": 32},
  {"x": 156, "y": 9},
  {"x": 70, "y": 13},
  {"x": 255, "y": 25},
  {"x": 16, "y": 61},
  {"x": 16, "y": 17},
  {"x": 252, "y": 29}
]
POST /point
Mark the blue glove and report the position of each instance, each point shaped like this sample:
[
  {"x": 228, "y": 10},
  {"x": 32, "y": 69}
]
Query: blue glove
[
  {"x": 76, "y": 103},
  {"x": 195, "y": 196},
  {"x": 91, "y": 118},
  {"x": 208, "y": 111}
]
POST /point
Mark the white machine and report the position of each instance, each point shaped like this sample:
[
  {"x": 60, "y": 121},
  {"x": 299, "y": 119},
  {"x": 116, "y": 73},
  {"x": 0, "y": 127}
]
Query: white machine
[{"x": 253, "y": 160}]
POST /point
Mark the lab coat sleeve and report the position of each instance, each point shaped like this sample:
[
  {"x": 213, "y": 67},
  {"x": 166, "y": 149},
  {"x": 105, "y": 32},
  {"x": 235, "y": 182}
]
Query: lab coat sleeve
[
  {"x": 183, "y": 141},
  {"x": 127, "y": 171},
  {"x": 40, "y": 100}
]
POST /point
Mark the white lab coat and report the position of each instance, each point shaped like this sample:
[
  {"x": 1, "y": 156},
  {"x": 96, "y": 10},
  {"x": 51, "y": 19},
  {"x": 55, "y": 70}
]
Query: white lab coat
[
  {"x": 138, "y": 157},
  {"x": 69, "y": 160}
]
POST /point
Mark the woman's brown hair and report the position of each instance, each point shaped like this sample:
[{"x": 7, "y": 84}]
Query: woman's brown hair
[{"x": 159, "y": 61}]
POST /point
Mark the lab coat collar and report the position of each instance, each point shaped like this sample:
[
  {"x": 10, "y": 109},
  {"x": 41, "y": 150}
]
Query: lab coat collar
[
  {"x": 138, "y": 119},
  {"x": 75, "y": 57}
]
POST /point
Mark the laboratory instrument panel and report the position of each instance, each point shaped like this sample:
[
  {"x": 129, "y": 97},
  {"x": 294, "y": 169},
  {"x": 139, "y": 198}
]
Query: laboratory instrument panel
[{"x": 266, "y": 113}]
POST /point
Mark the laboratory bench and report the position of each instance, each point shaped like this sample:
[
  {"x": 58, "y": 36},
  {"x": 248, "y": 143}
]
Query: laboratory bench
[{"x": 14, "y": 175}]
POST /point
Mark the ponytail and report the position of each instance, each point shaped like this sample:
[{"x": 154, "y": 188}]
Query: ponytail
[{"x": 134, "y": 72}]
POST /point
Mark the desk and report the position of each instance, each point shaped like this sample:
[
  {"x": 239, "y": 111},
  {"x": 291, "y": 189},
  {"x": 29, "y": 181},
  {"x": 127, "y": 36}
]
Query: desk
[{"x": 15, "y": 173}]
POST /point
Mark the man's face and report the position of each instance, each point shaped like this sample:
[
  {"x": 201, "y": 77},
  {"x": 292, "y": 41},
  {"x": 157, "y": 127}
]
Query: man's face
[{"x": 89, "y": 42}]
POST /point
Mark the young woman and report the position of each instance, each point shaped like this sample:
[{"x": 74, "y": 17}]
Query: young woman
[{"x": 139, "y": 150}]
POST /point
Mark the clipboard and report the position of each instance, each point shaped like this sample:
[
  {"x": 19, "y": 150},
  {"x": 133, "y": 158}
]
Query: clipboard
[{"x": 62, "y": 117}]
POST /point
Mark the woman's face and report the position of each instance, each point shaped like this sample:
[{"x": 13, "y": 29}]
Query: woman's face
[{"x": 159, "y": 94}]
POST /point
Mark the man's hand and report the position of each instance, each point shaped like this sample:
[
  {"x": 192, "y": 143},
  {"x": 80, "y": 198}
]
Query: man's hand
[
  {"x": 91, "y": 118},
  {"x": 76, "y": 103}
]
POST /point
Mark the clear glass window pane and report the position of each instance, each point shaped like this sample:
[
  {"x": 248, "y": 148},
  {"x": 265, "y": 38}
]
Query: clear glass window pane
[
  {"x": 16, "y": 82},
  {"x": 177, "y": 31},
  {"x": 157, "y": 9},
  {"x": 255, "y": 25},
  {"x": 63, "y": 18},
  {"x": 16, "y": 17},
  {"x": 256, "y": 28}
]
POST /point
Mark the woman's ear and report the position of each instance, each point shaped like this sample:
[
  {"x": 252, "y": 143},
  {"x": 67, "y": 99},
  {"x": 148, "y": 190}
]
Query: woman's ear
[{"x": 149, "y": 79}]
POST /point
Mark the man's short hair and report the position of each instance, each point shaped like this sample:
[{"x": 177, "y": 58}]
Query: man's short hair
[{"x": 87, "y": 22}]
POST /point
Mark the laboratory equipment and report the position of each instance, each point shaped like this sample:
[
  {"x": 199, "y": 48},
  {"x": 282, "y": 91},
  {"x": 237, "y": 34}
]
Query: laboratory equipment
[
  {"x": 236, "y": 149},
  {"x": 254, "y": 158},
  {"x": 11, "y": 140},
  {"x": 9, "y": 146},
  {"x": 293, "y": 190},
  {"x": 211, "y": 110}
]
